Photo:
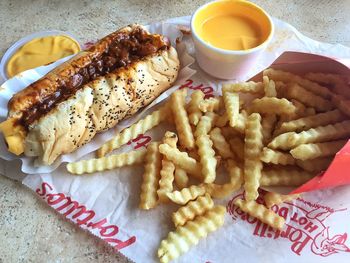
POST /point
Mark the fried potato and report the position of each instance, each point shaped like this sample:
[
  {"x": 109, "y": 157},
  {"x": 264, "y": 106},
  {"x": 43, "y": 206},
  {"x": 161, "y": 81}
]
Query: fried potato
[
  {"x": 134, "y": 130},
  {"x": 166, "y": 180},
  {"x": 107, "y": 163},
  {"x": 291, "y": 140},
  {"x": 194, "y": 113},
  {"x": 309, "y": 111},
  {"x": 231, "y": 102},
  {"x": 220, "y": 144},
  {"x": 245, "y": 87},
  {"x": 272, "y": 106},
  {"x": 341, "y": 104},
  {"x": 294, "y": 91},
  {"x": 150, "y": 178},
  {"x": 180, "y": 159},
  {"x": 170, "y": 138},
  {"x": 210, "y": 105},
  {"x": 261, "y": 212},
  {"x": 337, "y": 81},
  {"x": 241, "y": 122},
  {"x": 314, "y": 150},
  {"x": 182, "y": 123},
  {"x": 321, "y": 119},
  {"x": 167, "y": 169},
  {"x": 237, "y": 146},
  {"x": 205, "y": 124},
  {"x": 298, "y": 113},
  {"x": 272, "y": 199},
  {"x": 315, "y": 165},
  {"x": 269, "y": 87},
  {"x": 180, "y": 241},
  {"x": 221, "y": 120},
  {"x": 276, "y": 157},
  {"x": 284, "y": 177},
  {"x": 207, "y": 158},
  {"x": 279, "y": 75},
  {"x": 224, "y": 190},
  {"x": 186, "y": 194},
  {"x": 268, "y": 123},
  {"x": 193, "y": 208},
  {"x": 252, "y": 149},
  {"x": 181, "y": 178}
]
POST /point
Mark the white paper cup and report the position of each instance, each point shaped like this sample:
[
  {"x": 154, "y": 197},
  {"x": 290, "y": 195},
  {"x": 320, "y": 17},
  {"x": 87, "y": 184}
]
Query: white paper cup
[{"x": 224, "y": 63}]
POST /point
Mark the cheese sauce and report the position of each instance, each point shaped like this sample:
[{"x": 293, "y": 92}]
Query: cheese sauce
[
  {"x": 232, "y": 25},
  {"x": 231, "y": 32},
  {"x": 41, "y": 51}
]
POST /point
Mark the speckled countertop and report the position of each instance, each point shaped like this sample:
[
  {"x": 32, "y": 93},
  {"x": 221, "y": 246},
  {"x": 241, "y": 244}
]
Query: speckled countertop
[{"x": 29, "y": 230}]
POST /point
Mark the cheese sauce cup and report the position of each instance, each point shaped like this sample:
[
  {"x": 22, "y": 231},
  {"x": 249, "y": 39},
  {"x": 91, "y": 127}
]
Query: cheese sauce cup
[{"x": 229, "y": 35}]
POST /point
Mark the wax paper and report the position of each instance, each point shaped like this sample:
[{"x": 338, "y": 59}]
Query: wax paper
[{"x": 106, "y": 203}]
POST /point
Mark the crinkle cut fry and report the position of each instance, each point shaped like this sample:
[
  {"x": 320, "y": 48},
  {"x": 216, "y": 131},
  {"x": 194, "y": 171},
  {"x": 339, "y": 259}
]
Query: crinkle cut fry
[
  {"x": 246, "y": 87},
  {"x": 182, "y": 123},
  {"x": 107, "y": 163},
  {"x": 210, "y": 105},
  {"x": 135, "y": 130},
  {"x": 276, "y": 157},
  {"x": 181, "y": 178},
  {"x": 194, "y": 112},
  {"x": 338, "y": 82},
  {"x": 284, "y": 177},
  {"x": 231, "y": 102},
  {"x": 207, "y": 158},
  {"x": 167, "y": 169},
  {"x": 187, "y": 194},
  {"x": 291, "y": 140},
  {"x": 220, "y": 143},
  {"x": 252, "y": 150},
  {"x": 315, "y": 150},
  {"x": 150, "y": 178},
  {"x": 341, "y": 104},
  {"x": 272, "y": 105},
  {"x": 180, "y": 241},
  {"x": 192, "y": 209},
  {"x": 166, "y": 180},
  {"x": 269, "y": 87},
  {"x": 294, "y": 91},
  {"x": 279, "y": 75},
  {"x": 305, "y": 123},
  {"x": 181, "y": 159},
  {"x": 261, "y": 212},
  {"x": 268, "y": 123}
]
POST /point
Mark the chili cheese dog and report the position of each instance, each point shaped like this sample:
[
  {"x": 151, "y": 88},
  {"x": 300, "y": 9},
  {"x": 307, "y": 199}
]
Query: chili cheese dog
[{"x": 89, "y": 93}]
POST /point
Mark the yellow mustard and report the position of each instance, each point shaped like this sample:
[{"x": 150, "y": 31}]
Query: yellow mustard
[{"x": 41, "y": 51}]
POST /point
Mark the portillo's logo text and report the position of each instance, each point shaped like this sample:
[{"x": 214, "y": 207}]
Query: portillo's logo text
[
  {"x": 305, "y": 227},
  {"x": 83, "y": 217}
]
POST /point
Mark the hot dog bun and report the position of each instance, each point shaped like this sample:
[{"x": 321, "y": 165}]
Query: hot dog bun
[{"x": 96, "y": 106}]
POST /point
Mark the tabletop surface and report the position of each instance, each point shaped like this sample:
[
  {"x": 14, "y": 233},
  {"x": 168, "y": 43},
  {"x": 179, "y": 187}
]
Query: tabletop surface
[{"x": 30, "y": 231}]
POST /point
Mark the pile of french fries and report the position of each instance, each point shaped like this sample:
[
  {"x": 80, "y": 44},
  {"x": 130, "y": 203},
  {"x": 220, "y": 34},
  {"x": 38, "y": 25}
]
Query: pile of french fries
[{"x": 281, "y": 131}]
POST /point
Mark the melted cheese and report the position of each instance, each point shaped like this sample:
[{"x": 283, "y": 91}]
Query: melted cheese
[
  {"x": 232, "y": 25},
  {"x": 41, "y": 51},
  {"x": 14, "y": 136}
]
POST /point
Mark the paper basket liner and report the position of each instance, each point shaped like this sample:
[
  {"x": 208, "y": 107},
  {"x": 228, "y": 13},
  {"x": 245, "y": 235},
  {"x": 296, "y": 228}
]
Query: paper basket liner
[
  {"x": 24, "y": 79},
  {"x": 316, "y": 224}
]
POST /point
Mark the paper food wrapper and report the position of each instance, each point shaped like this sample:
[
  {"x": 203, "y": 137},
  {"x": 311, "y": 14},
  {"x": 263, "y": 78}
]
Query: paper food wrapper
[
  {"x": 22, "y": 80},
  {"x": 106, "y": 203}
]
